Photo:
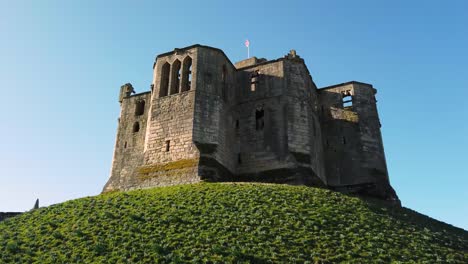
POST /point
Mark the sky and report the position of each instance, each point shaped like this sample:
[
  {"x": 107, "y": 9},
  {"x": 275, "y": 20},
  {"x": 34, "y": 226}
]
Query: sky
[{"x": 63, "y": 62}]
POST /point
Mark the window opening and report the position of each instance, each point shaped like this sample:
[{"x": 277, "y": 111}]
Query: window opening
[
  {"x": 140, "y": 108},
  {"x": 168, "y": 145},
  {"x": 164, "y": 86},
  {"x": 136, "y": 127},
  {"x": 344, "y": 140},
  {"x": 237, "y": 124},
  {"x": 259, "y": 119},
  {"x": 175, "y": 79},
  {"x": 239, "y": 159},
  {"x": 125, "y": 145},
  {"x": 254, "y": 80},
  {"x": 187, "y": 74},
  {"x": 347, "y": 99}
]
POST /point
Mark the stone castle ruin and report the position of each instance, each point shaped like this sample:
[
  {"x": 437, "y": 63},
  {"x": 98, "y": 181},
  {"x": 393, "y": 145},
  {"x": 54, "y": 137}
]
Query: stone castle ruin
[{"x": 258, "y": 120}]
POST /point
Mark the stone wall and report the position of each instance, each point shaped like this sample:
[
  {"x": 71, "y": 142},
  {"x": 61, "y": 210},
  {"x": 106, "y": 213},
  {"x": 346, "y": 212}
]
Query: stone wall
[
  {"x": 209, "y": 120},
  {"x": 6, "y": 215},
  {"x": 354, "y": 154},
  {"x": 130, "y": 142}
]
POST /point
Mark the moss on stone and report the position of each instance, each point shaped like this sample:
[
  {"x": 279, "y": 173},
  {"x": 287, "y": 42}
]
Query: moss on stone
[
  {"x": 350, "y": 116},
  {"x": 174, "y": 168}
]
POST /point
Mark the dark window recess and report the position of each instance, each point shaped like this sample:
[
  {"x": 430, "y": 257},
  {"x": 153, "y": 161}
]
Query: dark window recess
[
  {"x": 140, "y": 108},
  {"x": 259, "y": 119},
  {"x": 168, "y": 145},
  {"x": 187, "y": 74},
  {"x": 125, "y": 145},
  {"x": 347, "y": 99},
  {"x": 175, "y": 81},
  {"x": 136, "y": 127},
  {"x": 239, "y": 159},
  {"x": 327, "y": 143},
  {"x": 237, "y": 124},
  {"x": 344, "y": 140},
  {"x": 164, "y": 85},
  {"x": 254, "y": 80}
]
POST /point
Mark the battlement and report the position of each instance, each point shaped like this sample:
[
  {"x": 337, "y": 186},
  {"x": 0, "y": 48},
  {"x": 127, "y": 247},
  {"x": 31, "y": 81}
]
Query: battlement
[{"x": 207, "y": 119}]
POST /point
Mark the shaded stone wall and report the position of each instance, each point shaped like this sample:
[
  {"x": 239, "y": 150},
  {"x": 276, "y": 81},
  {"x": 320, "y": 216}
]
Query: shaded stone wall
[
  {"x": 130, "y": 142},
  {"x": 354, "y": 154},
  {"x": 304, "y": 136},
  {"x": 213, "y": 123},
  {"x": 6, "y": 215}
]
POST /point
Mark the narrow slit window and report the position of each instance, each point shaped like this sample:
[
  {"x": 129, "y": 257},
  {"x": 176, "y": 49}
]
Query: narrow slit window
[
  {"x": 344, "y": 140},
  {"x": 237, "y": 124},
  {"x": 239, "y": 158},
  {"x": 168, "y": 145},
  {"x": 140, "y": 108},
  {"x": 136, "y": 127},
  {"x": 125, "y": 144},
  {"x": 259, "y": 119}
]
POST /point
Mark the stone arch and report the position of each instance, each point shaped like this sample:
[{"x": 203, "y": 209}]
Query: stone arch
[
  {"x": 164, "y": 85},
  {"x": 175, "y": 77},
  {"x": 186, "y": 84}
]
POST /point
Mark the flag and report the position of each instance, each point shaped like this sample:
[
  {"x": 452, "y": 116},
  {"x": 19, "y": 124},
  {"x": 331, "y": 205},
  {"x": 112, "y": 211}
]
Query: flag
[{"x": 247, "y": 43}]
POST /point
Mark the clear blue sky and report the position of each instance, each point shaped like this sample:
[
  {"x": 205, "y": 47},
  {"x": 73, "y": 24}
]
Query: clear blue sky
[{"x": 62, "y": 63}]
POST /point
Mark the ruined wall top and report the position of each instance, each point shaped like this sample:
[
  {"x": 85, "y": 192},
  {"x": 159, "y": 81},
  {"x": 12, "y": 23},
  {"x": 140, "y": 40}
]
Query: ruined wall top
[{"x": 249, "y": 62}]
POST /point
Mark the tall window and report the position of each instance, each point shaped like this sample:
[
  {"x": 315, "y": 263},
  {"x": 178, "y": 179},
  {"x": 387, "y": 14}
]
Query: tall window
[
  {"x": 175, "y": 78},
  {"x": 164, "y": 86},
  {"x": 254, "y": 81},
  {"x": 140, "y": 107},
  {"x": 186, "y": 74},
  {"x": 259, "y": 119},
  {"x": 168, "y": 145},
  {"x": 347, "y": 99}
]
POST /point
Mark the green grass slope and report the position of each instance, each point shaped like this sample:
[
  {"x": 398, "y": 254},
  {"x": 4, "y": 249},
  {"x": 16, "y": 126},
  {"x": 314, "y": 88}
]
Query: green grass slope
[{"x": 225, "y": 223}]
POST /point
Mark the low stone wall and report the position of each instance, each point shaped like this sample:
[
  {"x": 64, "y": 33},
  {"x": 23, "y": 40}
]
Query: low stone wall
[{"x": 5, "y": 215}]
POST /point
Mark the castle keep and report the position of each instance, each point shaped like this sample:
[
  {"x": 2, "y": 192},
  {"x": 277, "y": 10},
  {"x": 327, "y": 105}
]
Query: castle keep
[{"x": 258, "y": 120}]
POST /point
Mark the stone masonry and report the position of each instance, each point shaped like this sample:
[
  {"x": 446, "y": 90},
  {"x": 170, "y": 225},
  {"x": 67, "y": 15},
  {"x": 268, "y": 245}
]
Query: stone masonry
[{"x": 207, "y": 119}]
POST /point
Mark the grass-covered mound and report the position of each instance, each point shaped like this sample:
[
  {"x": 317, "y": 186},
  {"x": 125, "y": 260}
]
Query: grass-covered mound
[{"x": 219, "y": 223}]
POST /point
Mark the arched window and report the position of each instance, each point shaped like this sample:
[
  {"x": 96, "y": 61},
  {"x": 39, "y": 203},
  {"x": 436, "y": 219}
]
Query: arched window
[
  {"x": 164, "y": 86},
  {"x": 175, "y": 77},
  {"x": 136, "y": 127},
  {"x": 187, "y": 74},
  {"x": 140, "y": 107}
]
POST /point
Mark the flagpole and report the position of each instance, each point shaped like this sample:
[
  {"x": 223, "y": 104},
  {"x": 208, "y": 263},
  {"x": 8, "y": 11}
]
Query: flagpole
[{"x": 248, "y": 52}]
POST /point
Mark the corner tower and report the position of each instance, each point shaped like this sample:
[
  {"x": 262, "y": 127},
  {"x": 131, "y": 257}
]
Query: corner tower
[{"x": 354, "y": 153}]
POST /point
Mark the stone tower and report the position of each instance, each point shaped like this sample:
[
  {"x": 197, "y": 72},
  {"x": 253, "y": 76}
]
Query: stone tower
[{"x": 207, "y": 119}]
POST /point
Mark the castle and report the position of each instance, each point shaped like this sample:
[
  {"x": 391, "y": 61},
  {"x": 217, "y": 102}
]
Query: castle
[{"x": 258, "y": 120}]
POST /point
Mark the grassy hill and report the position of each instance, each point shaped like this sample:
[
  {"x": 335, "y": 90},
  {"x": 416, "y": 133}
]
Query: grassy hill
[{"x": 219, "y": 223}]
